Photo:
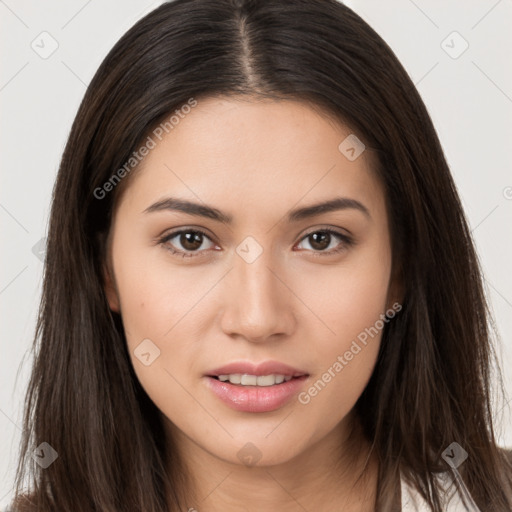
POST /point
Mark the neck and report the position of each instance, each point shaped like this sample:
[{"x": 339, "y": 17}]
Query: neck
[{"x": 336, "y": 473}]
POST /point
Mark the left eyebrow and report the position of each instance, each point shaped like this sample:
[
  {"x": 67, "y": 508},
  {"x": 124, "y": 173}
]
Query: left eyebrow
[
  {"x": 202, "y": 210},
  {"x": 338, "y": 203}
]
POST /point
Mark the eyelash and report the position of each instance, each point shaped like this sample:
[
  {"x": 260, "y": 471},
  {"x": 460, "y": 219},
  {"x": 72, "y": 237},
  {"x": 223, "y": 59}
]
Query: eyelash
[{"x": 346, "y": 242}]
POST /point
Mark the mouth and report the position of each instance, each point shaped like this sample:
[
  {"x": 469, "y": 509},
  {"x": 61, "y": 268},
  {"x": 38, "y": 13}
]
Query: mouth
[
  {"x": 239, "y": 379},
  {"x": 253, "y": 388}
]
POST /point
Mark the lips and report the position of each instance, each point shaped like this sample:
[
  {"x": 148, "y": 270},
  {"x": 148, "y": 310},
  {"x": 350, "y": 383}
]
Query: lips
[
  {"x": 264, "y": 368},
  {"x": 256, "y": 398}
]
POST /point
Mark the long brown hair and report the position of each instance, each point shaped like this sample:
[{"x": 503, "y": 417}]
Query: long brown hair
[{"x": 432, "y": 382}]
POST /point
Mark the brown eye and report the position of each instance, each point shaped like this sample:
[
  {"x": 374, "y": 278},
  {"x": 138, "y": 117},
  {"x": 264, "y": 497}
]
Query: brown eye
[
  {"x": 320, "y": 240},
  {"x": 190, "y": 241},
  {"x": 323, "y": 239}
]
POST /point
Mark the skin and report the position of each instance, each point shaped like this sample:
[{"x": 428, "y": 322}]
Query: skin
[{"x": 256, "y": 160}]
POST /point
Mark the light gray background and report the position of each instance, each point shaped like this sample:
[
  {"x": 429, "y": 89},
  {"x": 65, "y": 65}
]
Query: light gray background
[{"x": 468, "y": 97}]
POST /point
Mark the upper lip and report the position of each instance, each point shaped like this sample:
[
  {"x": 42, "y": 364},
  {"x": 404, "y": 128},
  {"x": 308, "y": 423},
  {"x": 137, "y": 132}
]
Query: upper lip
[{"x": 258, "y": 369}]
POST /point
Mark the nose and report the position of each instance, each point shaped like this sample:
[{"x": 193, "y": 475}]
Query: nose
[{"x": 259, "y": 305}]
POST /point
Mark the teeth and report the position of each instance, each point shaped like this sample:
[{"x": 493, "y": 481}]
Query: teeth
[
  {"x": 249, "y": 380},
  {"x": 253, "y": 380}
]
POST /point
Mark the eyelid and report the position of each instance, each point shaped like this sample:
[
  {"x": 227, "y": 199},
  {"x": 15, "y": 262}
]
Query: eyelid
[
  {"x": 175, "y": 231},
  {"x": 331, "y": 229}
]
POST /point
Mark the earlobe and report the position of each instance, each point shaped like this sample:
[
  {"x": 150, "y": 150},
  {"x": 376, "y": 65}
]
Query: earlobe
[
  {"x": 396, "y": 291},
  {"x": 396, "y": 297},
  {"x": 110, "y": 290}
]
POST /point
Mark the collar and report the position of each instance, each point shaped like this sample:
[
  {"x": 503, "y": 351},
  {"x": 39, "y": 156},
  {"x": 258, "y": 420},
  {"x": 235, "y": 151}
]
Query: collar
[{"x": 412, "y": 501}]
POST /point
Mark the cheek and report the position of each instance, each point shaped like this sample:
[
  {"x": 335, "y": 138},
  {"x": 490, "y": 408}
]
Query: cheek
[
  {"x": 348, "y": 307},
  {"x": 155, "y": 295},
  {"x": 157, "y": 308},
  {"x": 349, "y": 297},
  {"x": 160, "y": 303}
]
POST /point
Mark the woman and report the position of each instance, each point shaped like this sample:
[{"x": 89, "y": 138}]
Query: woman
[{"x": 260, "y": 290}]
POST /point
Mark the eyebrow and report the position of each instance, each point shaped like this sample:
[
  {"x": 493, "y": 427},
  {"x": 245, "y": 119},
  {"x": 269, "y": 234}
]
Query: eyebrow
[{"x": 202, "y": 210}]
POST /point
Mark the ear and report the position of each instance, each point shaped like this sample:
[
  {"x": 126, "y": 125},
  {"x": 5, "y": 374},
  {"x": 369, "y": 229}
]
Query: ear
[
  {"x": 109, "y": 283},
  {"x": 396, "y": 291},
  {"x": 110, "y": 289}
]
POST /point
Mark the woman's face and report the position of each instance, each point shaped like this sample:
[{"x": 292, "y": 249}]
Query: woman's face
[{"x": 268, "y": 293}]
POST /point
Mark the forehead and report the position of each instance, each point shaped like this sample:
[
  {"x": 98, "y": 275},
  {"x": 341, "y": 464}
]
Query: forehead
[{"x": 255, "y": 153}]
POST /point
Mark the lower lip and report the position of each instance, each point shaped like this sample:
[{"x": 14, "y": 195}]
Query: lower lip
[{"x": 256, "y": 398}]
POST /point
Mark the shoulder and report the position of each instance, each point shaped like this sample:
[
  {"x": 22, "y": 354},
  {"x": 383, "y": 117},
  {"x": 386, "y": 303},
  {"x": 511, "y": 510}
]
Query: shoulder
[
  {"x": 22, "y": 503},
  {"x": 507, "y": 452},
  {"x": 412, "y": 501}
]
